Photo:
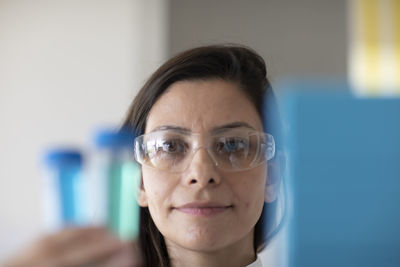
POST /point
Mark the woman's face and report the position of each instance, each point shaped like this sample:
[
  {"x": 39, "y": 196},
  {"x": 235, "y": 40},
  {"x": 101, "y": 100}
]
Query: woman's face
[{"x": 204, "y": 208}]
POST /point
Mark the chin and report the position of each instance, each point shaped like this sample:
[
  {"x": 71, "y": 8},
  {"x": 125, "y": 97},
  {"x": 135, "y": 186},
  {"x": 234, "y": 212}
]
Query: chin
[
  {"x": 203, "y": 245},
  {"x": 204, "y": 239}
]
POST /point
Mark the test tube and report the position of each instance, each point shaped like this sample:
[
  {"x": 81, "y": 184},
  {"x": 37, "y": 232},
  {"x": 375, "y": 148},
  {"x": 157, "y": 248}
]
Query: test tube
[
  {"x": 63, "y": 188},
  {"x": 119, "y": 176}
]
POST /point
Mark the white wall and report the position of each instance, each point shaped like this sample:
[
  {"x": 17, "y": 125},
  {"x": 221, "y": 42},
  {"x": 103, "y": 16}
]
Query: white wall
[
  {"x": 306, "y": 37},
  {"x": 65, "y": 67}
]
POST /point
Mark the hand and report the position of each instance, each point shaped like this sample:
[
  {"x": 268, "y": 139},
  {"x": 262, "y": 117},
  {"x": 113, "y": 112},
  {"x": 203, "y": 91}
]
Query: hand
[{"x": 89, "y": 246}]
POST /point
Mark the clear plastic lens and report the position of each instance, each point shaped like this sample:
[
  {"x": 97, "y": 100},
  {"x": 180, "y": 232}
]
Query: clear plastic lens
[
  {"x": 232, "y": 150},
  {"x": 226, "y": 145}
]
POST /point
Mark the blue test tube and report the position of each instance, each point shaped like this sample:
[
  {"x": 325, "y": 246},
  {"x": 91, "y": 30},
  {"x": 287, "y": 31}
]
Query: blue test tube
[{"x": 64, "y": 188}]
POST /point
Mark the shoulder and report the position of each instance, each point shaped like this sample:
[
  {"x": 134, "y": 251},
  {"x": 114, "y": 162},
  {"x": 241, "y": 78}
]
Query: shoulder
[{"x": 257, "y": 263}]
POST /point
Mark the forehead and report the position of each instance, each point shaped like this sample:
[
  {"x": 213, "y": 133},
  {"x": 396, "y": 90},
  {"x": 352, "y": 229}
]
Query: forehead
[{"x": 203, "y": 105}]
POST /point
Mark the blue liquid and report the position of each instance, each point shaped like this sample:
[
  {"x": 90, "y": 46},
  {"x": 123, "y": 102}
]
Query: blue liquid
[
  {"x": 65, "y": 174},
  {"x": 69, "y": 193}
]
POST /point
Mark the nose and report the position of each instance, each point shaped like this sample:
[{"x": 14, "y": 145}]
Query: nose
[{"x": 201, "y": 171}]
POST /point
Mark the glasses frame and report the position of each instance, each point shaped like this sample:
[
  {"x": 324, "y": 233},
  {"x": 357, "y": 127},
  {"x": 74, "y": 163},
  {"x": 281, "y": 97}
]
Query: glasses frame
[{"x": 196, "y": 144}]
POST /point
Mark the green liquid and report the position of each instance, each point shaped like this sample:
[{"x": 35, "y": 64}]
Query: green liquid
[{"x": 123, "y": 210}]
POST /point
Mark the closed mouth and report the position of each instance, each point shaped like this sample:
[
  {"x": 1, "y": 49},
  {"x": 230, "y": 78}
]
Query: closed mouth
[{"x": 203, "y": 209}]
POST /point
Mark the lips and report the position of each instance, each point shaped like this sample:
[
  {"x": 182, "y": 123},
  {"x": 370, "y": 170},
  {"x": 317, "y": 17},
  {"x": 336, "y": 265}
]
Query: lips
[{"x": 203, "y": 209}]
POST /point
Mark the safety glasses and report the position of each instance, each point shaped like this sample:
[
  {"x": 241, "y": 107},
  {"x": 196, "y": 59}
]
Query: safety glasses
[{"x": 231, "y": 150}]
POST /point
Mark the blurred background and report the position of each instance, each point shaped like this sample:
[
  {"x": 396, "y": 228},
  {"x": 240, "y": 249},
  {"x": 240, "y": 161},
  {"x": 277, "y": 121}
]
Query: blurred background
[{"x": 68, "y": 66}]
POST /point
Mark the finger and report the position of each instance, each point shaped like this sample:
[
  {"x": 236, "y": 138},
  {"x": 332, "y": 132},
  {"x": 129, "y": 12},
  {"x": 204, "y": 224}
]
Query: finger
[
  {"x": 69, "y": 235},
  {"x": 69, "y": 247},
  {"x": 127, "y": 257},
  {"x": 73, "y": 239},
  {"x": 86, "y": 251}
]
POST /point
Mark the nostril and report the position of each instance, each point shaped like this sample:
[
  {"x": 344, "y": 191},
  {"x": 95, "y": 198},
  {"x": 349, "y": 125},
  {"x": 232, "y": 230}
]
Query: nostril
[
  {"x": 211, "y": 181},
  {"x": 193, "y": 181}
]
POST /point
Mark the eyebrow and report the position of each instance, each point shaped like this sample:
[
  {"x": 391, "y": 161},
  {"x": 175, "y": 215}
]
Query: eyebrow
[
  {"x": 226, "y": 127},
  {"x": 218, "y": 129},
  {"x": 172, "y": 127}
]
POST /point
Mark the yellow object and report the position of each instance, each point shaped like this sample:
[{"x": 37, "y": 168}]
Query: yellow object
[{"x": 374, "y": 46}]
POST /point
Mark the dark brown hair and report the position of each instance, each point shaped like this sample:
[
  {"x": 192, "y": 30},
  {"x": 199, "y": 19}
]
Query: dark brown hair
[{"x": 232, "y": 63}]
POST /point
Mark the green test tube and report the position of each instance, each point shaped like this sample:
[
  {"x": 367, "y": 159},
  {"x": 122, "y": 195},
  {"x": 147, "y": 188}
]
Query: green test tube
[{"x": 122, "y": 178}]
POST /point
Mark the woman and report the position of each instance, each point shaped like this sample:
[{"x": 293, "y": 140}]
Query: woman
[{"x": 210, "y": 174}]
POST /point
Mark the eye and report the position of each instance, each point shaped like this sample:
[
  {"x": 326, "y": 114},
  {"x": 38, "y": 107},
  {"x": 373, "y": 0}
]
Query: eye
[
  {"x": 171, "y": 146},
  {"x": 231, "y": 145}
]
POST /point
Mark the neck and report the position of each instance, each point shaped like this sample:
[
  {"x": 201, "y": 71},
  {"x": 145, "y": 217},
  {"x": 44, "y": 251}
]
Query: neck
[{"x": 237, "y": 255}]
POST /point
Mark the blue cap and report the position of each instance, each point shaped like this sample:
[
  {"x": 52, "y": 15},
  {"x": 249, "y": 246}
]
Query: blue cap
[
  {"x": 109, "y": 138},
  {"x": 59, "y": 156}
]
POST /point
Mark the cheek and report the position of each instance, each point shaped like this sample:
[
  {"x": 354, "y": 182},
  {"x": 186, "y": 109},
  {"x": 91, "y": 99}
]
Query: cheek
[
  {"x": 250, "y": 188},
  {"x": 158, "y": 188},
  {"x": 153, "y": 182}
]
